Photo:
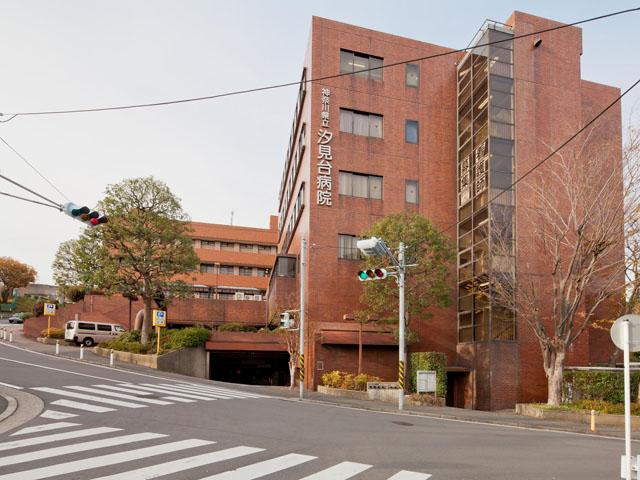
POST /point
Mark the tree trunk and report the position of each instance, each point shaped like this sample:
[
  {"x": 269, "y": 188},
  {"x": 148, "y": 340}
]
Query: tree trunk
[
  {"x": 146, "y": 323},
  {"x": 554, "y": 368},
  {"x": 292, "y": 373},
  {"x": 137, "y": 324}
]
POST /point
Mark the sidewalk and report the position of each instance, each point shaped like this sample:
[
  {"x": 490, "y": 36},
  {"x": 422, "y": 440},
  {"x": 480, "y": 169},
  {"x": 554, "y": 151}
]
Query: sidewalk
[{"x": 503, "y": 417}]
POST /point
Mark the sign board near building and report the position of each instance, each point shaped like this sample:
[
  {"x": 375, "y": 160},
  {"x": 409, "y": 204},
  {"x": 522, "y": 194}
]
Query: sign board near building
[
  {"x": 426, "y": 381},
  {"x": 50, "y": 309},
  {"x": 159, "y": 318}
]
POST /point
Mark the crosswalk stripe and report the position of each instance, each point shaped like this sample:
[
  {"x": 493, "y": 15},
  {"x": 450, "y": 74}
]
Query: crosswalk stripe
[
  {"x": 28, "y": 442},
  {"x": 340, "y": 471},
  {"x": 153, "y": 388},
  {"x": 55, "y": 415},
  {"x": 87, "y": 407},
  {"x": 261, "y": 469},
  {"x": 214, "y": 391},
  {"x": 124, "y": 396},
  {"x": 224, "y": 391},
  {"x": 10, "y": 386},
  {"x": 104, "y": 460},
  {"x": 78, "y": 447},
  {"x": 182, "y": 464},
  {"x": 45, "y": 427},
  {"x": 122, "y": 389},
  {"x": 177, "y": 399},
  {"x": 94, "y": 398},
  {"x": 406, "y": 475},
  {"x": 186, "y": 390}
]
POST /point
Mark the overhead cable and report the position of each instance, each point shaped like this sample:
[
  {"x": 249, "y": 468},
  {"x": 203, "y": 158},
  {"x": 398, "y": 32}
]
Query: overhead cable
[{"x": 53, "y": 204}]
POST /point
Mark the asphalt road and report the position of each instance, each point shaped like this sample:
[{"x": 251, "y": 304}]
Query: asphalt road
[{"x": 196, "y": 429}]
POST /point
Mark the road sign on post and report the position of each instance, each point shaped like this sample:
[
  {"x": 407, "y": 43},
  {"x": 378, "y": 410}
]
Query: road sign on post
[
  {"x": 49, "y": 311},
  {"x": 625, "y": 333},
  {"x": 159, "y": 321}
]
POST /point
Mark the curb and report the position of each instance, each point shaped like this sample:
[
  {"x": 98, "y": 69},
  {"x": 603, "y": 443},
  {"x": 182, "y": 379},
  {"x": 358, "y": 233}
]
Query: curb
[
  {"x": 25, "y": 407},
  {"x": 12, "y": 405}
]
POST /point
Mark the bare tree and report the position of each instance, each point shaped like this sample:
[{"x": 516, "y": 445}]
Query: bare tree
[
  {"x": 288, "y": 337},
  {"x": 583, "y": 203}
]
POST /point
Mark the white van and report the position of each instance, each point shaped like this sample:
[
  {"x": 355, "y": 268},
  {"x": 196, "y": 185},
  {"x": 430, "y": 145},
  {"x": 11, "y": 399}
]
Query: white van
[{"x": 90, "y": 333}]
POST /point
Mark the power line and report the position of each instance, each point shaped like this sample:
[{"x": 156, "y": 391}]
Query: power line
[
  {"x": 53, "y": 204},
  {"x": 57, "y": 207},
  {"x": 312, "y": 80},
  {"x": 34, "y": 168}
]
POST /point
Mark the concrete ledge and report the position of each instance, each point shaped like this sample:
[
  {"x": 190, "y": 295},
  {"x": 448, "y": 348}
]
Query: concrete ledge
[
  {"x": 342, "y": 392},
  {"x": 193, "y": 362},
  {"x": 50, "y": 341},
  {"x": 25, "y": 407},
  {"x": 150, "y": 361},
  {"x": 575, "y": 416}
]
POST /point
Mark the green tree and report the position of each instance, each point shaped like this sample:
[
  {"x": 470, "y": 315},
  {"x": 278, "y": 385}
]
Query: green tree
[
  {"x": 14, "y": 274},
  {"x": 143, "y": 250},
  {"x": 427, "y": 284}
]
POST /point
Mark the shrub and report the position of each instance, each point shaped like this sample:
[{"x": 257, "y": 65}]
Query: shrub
[
  {"x": 189, "y": 337},
  {"x": 332, "y": 379},
  {"x": 75, "y": 293},
  {"x": 362, "y": 379},
  {"x": 429, "y": 361},
  {"x": 603, "y": 385},
  {"x": 337, "y": 379},
  {"x": 52, "y": 333},
  {"x": 236, "y": 327}
]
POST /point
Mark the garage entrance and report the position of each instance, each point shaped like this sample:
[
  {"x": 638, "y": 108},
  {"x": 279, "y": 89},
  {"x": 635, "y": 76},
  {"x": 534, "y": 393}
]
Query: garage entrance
[{"x": 249, "y": 367}]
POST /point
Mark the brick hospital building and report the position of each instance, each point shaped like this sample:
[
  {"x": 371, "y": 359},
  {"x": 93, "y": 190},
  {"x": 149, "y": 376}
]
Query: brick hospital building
[{"x": 438, "y": 137}]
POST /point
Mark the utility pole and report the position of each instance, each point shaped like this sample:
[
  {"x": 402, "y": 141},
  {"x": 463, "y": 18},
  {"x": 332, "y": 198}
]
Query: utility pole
[
  {"x": 303, "y": 262},
  {"x": 401, "y": 325}
]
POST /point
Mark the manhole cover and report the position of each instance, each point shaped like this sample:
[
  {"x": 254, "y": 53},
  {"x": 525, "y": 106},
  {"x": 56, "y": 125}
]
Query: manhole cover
[{"x": 404, "y": 424}]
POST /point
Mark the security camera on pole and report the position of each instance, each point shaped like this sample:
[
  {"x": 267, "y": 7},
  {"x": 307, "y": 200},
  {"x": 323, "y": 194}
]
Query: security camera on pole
[{"x": 375, "y": 247}]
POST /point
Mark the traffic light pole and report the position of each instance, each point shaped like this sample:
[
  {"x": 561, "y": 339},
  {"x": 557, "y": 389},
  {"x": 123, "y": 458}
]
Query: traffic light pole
[
  {"x": 303, "y": 262},
  {"x": 401, "y": 326}
]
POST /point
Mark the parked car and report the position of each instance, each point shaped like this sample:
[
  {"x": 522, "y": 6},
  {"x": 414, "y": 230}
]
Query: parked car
[
  {"x": 15, "y": 318},
  {"x": 90, "y": 333}
]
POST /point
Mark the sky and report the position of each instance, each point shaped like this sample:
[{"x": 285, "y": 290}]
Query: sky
[{"x": 217, "y": 156}]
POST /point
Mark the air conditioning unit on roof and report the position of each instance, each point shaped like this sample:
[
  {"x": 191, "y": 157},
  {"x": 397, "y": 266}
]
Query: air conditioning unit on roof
[{"x": 239, "y": 296}]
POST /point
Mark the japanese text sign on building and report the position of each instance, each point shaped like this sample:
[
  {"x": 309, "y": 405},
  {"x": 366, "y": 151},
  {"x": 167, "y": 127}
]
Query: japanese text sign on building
[
  {"x": 159, "y": 318},
  {"x": 324, "y": 182},
  {"x": 50, "y": 309}
]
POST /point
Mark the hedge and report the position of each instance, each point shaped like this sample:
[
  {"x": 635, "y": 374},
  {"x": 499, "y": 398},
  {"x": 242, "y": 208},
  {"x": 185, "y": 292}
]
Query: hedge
[
  {"x": 337, "y": 379},
  {"x": 429, "y": 361},
  {"x": 52, "y": 333},
  {"x": 170, "y": 339},
  {"x": 604, "y": 385}
]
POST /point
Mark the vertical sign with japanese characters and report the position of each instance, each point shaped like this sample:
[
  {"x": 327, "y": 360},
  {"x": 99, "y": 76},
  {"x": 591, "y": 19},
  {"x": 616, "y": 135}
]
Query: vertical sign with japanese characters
[{"x": 324, "y": 181}]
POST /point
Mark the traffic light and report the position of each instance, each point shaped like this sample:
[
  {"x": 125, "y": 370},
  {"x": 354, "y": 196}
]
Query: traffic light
[
  {"x": 375, "y": 274},
  {"x": 286, "y": 320},
  {"x": 84, "y": 214}
]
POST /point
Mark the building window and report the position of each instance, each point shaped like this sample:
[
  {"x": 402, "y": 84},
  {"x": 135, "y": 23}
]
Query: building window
[
  {"x": 226, "y": 296},
  {"x": 229, "y": 246},
  {"x": 263, "y": 272},
  {"x": 207, "y": 268},
  {"x": 411, "y": 191},
  {"x": 347, "y": 249},
  {"x": 411, "y": 131},
  {"x": 285, "y": 267},
  {"x": 265, "y": 249},
  {"x": 361, "y": 65},
  {"x": 359, "y": 185},
  {"x": 412, "y": 75},
  {"x": 227, "y": 270},
  {"x": 246, "y": 271},
  {"x": 207, "y": 244},
  {"x": 360, "y": 123},
  {"x": 246, "y": 247}
]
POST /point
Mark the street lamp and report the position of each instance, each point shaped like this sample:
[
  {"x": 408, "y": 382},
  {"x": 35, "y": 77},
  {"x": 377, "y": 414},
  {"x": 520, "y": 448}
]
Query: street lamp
[{"x": 375, "y": 247}]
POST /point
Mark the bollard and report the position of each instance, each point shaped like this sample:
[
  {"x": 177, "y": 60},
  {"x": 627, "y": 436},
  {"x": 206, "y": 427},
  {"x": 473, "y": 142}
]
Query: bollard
[
  {"x": 111, "y": 358},
  {"x": 4, "y": 334},
  {"x": 10, "y": 337},
  {"x": 593, "y": 420},
  {"x": 81, "y": 352},
  {"x": 57, "y": 347}
]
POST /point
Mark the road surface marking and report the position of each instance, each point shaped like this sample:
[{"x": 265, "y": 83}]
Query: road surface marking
[
  {"x": 183, "y": 464},
  {"x": 10, "y": 386},
  {"x": 93, "y": 398},
  {"x": 126, "y": 390},
  {"x": 341, "y": 471},
  {"x": 406, "y": 475},
  {"x": 27, "y": 442},
  {"x": 260, "y": 469},
  {"x": 55, "y": 415},
  {"x": 183, "y": 400},
  {"x": 166, "y": 391},
  {"x": 79, "y": 447},
  {"x": 195, "y": 392},
  {"x": 104, "y": 460},
  {"x": 224, "y": 391},
  {"x": 87, "y": 407},
  {"x": 45, "y": 427},
  {"x": 123, "y": 396}
]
